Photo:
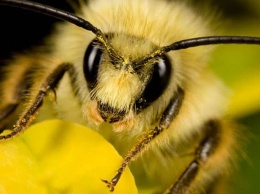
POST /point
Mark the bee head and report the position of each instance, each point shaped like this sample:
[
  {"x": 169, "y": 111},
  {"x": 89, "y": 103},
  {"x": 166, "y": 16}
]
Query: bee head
[{"x": 119, "y": 82}]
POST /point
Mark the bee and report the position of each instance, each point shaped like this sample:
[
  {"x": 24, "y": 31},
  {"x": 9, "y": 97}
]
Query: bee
[{"x": 129, "y": 66}]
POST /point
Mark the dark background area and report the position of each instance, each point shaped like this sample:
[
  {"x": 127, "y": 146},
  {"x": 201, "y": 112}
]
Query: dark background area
[{"x": 21, "y": 30}]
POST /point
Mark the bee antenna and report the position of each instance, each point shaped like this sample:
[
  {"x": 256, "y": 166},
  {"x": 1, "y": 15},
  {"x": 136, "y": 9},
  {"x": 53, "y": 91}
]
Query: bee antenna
[
  {"x": 53, "y": 12},
  {"x": 194, "y": 42},
  {"x": 183, "y": 44},
  {"x": 211, "y": 40}
]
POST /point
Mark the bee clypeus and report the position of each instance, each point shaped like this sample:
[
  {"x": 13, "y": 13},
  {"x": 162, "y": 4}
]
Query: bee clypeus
[{"x": 130, "y": 64}]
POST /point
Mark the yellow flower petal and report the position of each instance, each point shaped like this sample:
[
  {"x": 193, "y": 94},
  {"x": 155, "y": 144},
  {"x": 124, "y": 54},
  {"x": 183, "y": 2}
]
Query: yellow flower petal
[{"x": 60, "y": 157}]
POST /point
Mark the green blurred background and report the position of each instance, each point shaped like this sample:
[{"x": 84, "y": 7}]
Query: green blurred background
[{"x": 239, "y": 67}]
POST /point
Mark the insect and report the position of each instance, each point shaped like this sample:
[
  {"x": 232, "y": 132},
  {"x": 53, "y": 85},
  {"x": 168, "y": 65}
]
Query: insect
[{"x": 155, "y": 91}]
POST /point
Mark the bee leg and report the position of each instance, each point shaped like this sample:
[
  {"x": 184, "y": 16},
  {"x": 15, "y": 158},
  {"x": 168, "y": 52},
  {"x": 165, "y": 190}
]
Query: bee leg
[
  {"x": 169, "y": 114},
  {"x": 204, "y": 152},
  {"x": 28, "y": 115}
]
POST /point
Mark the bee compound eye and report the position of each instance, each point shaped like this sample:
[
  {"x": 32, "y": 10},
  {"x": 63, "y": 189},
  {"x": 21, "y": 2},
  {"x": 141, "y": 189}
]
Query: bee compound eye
[
  {"x": 91, "y": 63},
  {"x": 158, "y": 82}
]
